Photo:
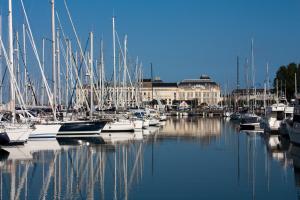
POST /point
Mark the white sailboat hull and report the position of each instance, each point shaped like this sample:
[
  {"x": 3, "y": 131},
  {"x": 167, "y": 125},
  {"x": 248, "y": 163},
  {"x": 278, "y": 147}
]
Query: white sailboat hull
[
  {"x": 138, "y": 124},
  {"x": 16, "y": 133},
  {"x": 119, "y": 126},
  {"x": 153, "y": 122},
  {"x": 146, "y": 123},
  {"x": 45, "y": 131}
]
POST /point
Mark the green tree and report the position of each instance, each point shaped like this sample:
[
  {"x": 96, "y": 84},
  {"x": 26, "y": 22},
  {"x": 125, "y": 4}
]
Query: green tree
[{"x": 285, "y": 77}]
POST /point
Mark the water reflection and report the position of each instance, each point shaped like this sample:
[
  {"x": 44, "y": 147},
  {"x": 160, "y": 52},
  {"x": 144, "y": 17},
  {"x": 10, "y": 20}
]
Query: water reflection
[
  {"x": 225, "y": 164},
  {"x": 70, "y": 172},
  {"x": 205, "y": 130}
]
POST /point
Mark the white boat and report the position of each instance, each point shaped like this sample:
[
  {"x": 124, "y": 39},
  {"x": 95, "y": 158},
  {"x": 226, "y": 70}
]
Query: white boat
[
  {"x": 277, "y": 113},
  {"x": 250, "y": 121},
  {"x": 146, "y": 123},
  {"x": 274, "y": 116},
  {"x": 293, "y": 128},
  {"x": 162, "y": 117},
  {"x": 121, "y": 125},
  {"x": 43, "y": 131},
  {"x": 153, "y": 121},
  {"x": 138, "y": 124},
  {"x": 13, "y": 133},
  {"x": 81, "y": 129}
]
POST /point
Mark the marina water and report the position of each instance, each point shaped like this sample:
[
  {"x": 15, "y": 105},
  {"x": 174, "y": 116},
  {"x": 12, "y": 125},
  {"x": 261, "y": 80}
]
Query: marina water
[{"x": 187, "y": 158}]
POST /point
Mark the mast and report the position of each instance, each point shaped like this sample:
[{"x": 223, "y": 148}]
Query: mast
[
  {"x": 17, "y": 59},
  {"x": 237, "y": 73},
  {"x": 277, "y": 91},
  {"x": 268, "y": 83},
  {"x": 58, "y": 68},
  {"x": 114, "y": 61},
  {"x": 124, "y": 75},
  {"x": 253, "y": 72},
  {"x": 151, "y": 80},
  {"x": 1, "y": 99},
  {"x": 247, "y": 82},
  {"x": 237, "y": 83},
  {"x": 53, "y": 58},
  {"x": 43, "y": 67},
  {"x": 91, "y": 73},
  {"x": 295, "y": 85},
  {"x": 10, "y": 59},
  {"x": 136, "y": 81},
  {"x": 69, "y": 56},
  {"x": 25, "y": 64},
  {"x": 101, "y": 73}
]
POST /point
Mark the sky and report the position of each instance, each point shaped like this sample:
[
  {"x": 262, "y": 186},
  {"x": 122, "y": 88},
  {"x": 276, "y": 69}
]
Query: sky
[{"x": 182, "y": 38}]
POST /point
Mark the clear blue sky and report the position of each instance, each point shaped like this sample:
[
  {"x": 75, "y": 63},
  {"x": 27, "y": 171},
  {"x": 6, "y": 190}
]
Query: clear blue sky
[{"x": 182, "y": 38}]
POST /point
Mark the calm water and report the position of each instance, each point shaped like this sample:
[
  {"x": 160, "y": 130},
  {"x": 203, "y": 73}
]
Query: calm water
[{"x": 188, "y": 158}]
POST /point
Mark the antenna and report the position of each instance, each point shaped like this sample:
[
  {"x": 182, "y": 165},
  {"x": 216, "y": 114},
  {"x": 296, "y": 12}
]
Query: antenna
[{"x": 237, "y": 73}]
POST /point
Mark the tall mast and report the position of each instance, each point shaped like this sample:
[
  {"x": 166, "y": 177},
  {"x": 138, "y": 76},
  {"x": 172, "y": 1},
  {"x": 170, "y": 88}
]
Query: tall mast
[
  {"x": 53, "y": 57},
  {"x": 277, "y": 91},
  {"x": 151, "y": 80},
  {"x": 91, "y": 73},
  {"x": 114, "y": 60},
  {"x": 125, "y": 70},
  {"x": 295, "y": 85},
  {"x": 237, "y": 84},
  {"x": 102, "y": 74},
  {"x": 136, "y": 81},
  {"x": 58, "y": 68},
  {"x": 25, "y": 64},
  {"x": 247, "y": 82},
  {"x": 43, "y": 67},
  {"x": 17, "y": 59},
  {"x": 252, "y": 64},
  {"x": 11, "y": 60},
  {"x": 1, "y": 100},
  {"x": 267, "y": 83},
  {"x": 237, "y": 73},
  {"x": 253, "y": 72},
  {"x": 69, "y": 56}
]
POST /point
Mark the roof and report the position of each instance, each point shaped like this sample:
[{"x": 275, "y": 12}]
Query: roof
[
  {"x": 204, "y": 80},
  {"x": 197, "y": 82},
  {"x": 162, "y": 84}
]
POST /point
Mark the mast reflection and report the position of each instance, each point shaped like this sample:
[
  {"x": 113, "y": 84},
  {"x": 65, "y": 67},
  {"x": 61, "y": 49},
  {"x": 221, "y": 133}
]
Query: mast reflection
[{"x": 54, "y": 171}]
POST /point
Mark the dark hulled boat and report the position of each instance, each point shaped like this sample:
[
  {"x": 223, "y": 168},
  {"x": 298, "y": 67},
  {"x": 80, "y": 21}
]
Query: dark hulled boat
[{"x": 81, "y": 129}]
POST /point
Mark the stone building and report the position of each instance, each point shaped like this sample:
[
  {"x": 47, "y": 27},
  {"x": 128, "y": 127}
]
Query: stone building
[{"x": 203, "y": 91}]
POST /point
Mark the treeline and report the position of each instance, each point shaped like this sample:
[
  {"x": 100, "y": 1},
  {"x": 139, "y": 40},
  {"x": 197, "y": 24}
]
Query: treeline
[{"x": 285, "y": 79}]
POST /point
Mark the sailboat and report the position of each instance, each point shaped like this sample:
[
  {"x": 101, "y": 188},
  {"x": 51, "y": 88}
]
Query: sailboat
[
  {"x": 41, "y": 128},
  {"x": 12, "y": 132},
  {"x": 249, "y": 120}
]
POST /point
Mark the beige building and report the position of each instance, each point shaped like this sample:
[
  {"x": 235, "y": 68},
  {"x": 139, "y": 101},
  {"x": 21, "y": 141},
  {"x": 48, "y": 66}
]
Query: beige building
[{"x": 203, "y": 90}]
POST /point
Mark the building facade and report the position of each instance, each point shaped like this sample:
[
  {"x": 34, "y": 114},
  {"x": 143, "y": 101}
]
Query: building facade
[{"x": 203, "y": 91}]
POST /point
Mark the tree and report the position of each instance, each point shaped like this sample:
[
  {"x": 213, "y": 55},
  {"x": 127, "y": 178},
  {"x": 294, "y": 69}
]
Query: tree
[{"x": 285, "y": 78}]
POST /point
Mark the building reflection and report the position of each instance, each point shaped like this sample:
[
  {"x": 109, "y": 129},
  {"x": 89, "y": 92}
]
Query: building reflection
[{"x": 204, "y": 129}]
